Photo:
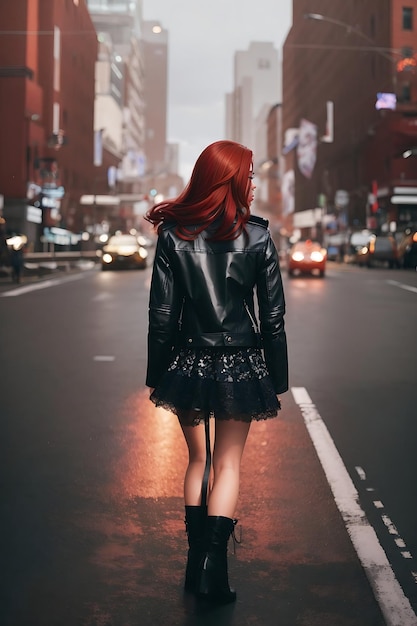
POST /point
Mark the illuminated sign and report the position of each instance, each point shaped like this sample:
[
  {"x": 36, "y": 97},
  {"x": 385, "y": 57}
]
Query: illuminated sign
[
  {"x": 53, "y": 191},
  {"x": 408, "y": 63},
  {"x": 386, "y": 101}
]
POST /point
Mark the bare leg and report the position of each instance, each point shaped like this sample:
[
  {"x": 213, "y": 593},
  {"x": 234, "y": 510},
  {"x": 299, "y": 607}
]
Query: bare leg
[
  {"x": 196, "y": 443},
  {"x": 230, "y": 439}
]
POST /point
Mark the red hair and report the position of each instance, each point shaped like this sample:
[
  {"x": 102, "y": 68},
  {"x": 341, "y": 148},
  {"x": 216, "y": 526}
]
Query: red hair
[{"x": 218, "y": 188}]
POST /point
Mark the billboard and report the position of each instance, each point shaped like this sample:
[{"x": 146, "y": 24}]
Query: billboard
[{"x": 307, "y": 148}]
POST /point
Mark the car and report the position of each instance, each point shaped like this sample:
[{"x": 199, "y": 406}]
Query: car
[
  {"x": 123, "y": 252},
  {"x": 407, "y": 249},
  {"x": 379, "y": 249},
  {"x": 355, "y": 243},
  {"x": 146, "y": 241},
  {"x": 307, "y": 257}
]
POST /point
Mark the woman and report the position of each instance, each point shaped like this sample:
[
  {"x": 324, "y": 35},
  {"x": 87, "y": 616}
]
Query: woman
[{"x": 204, "y": 346}]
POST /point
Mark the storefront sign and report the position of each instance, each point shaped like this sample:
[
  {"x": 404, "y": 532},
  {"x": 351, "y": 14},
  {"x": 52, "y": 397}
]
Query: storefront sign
[{"x": 33, "y": 214}]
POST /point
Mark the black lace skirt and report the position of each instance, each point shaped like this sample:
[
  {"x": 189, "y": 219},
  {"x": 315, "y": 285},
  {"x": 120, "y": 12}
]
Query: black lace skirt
[{"x": 228, "y": 383}]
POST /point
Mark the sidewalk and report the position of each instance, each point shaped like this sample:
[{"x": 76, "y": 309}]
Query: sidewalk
[{"x": 34, "y": 272}]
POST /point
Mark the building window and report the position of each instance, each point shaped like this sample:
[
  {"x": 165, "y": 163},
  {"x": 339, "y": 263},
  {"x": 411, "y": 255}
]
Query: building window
[
  {"x": 407, "y": 18},
  {"x": 407, "y": 53},
  {"x": 263, "y": 64},
  {"x": 406, "y": 93}
]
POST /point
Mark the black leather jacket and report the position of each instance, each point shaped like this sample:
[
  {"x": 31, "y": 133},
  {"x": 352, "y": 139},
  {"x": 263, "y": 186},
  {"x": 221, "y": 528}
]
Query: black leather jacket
[{"x": 202, "y": 295}]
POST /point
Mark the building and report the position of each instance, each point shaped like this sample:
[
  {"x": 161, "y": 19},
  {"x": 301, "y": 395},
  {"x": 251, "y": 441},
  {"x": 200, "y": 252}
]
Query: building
[
  {"x": 268, "y": 172},
  {"x": 351, "y": 154},
  {"x": 138, "y": 50},
  {"x": 46, "y": 125},
  {"x": 257, "y": 86},
  {"x": 109, "y": 100},
  {"x": 120, "y": 25},
  {"x": 155, "y": 53},
  {"x": 161, "y": 177}
]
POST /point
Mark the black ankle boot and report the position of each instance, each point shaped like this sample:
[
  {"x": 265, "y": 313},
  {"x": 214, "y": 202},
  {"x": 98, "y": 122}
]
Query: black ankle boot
[
  {"x": 214, "y": 581},
  {"x": 195, "y": 525}
]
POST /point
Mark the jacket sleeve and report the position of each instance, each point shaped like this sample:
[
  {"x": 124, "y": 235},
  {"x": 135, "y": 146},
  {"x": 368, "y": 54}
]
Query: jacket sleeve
[
  {"x": 164, "y": 312},
  {"x": 271, "y": 304}
]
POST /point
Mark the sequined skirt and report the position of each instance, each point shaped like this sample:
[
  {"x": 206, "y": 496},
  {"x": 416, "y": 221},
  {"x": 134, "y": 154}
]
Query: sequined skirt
[{"x": 231, "y": 383}]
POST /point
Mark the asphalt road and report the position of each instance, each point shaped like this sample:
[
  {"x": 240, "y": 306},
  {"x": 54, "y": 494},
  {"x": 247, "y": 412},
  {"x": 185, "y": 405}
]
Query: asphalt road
[{"x": 91, "y": 506}]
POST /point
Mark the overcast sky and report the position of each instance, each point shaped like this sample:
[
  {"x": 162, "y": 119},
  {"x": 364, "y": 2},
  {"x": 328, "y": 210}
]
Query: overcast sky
[{"x": 203, "y": 37}]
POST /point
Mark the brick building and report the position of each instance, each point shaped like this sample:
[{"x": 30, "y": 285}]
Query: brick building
[
  {"x": 353, "y": 164},
  {"x": 48, "y": 51}
]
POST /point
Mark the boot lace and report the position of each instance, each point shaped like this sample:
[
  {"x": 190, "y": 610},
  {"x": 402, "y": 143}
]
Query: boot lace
[{"x": 236, "y": 541}]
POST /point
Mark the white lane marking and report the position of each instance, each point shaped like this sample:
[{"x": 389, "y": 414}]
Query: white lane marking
[
  {"x": 102, "y": 296},
  {"x": 103, "y": 358},
  {"x": 42, "y": 285},
  {"x": 395, "y": 283},
  {"x": 394, "y": 605},
  {"x": 390, "y": 525},
  {"x": 392, "y": 529},
  {"x": 361, "y": 472}
]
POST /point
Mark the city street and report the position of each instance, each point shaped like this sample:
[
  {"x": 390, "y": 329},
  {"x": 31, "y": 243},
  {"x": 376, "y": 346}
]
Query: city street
[{"x": 91, "y": 506}]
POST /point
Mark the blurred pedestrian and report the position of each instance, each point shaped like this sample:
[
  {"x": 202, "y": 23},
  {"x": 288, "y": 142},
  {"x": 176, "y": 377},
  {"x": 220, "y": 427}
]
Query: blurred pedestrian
[
  {"x": 4, "y": 250},
  {"x": 16, "y": 262},
  {"x": 16, "y": 246},
  {"x": 207, "y": 355}
]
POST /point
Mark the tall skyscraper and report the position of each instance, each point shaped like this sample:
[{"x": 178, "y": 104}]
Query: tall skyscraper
[
  {"x": 121, "y": 23},
  {"x": 257, "y": 87},
  {"x": 155, "y": 56}
]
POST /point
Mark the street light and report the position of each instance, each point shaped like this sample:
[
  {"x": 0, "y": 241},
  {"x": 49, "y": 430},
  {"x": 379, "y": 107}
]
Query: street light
[
  {"x": 349, "y": 29},
  {"x": 353, "y": 29}
]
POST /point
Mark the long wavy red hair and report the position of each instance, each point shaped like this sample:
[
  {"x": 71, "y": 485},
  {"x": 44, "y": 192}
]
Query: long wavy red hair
[{"x": 218, "y": 190}]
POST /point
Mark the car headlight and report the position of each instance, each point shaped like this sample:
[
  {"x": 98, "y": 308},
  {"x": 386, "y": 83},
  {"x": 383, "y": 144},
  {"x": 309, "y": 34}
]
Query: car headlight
[
  {"x": 107, "y": 258},
  {"x": 297, "y": 256},
  {"x": 126, "y": 250},
  {"x": 317, "y": 256}
]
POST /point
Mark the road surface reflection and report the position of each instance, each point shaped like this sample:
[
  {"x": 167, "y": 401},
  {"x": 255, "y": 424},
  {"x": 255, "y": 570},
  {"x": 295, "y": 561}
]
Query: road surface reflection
[{"x": 155, "y": 454}]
